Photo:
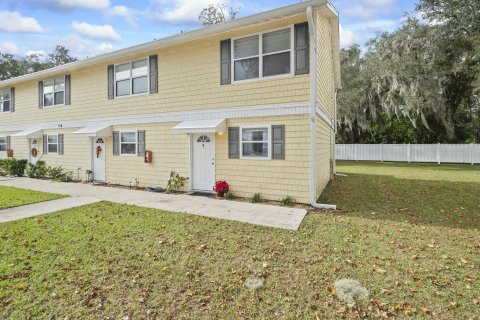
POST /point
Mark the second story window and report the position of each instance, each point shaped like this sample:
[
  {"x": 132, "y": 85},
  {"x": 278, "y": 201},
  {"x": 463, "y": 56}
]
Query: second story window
[
  {"x": 5, "y": 101},
  {"x": 54, "y": 92},
  {"x": 131, "y": 78},
  {"x": 263, "y": 55}
]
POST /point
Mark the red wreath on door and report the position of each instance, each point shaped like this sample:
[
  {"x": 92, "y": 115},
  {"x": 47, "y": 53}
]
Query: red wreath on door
[{"x": 98, "y": 150}]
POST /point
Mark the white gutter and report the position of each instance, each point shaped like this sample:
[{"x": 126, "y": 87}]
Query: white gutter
[{"x": 313, "y": 109}]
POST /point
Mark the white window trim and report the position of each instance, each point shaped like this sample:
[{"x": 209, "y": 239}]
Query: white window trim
[
  {"x": 260, "y": 126},
  {"x": 131, "y": 79},
  {"x": 64, "y": 90},
  {"x": 1, "y": 103},
  {"x": 120, "y": 143},
  {"x": 4, "y": 144},
  {"x": 48, "y": 144},
  {"x": 261, "y": 55}
]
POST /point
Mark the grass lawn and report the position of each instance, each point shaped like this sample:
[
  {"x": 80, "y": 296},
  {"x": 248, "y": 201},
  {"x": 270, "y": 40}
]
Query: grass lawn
[
  {"x": 413, "y": 242},
  {"x": 13, "y": 197}
]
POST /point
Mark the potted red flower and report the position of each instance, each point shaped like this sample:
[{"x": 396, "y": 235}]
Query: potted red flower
[{"x": 221, "y": 187}]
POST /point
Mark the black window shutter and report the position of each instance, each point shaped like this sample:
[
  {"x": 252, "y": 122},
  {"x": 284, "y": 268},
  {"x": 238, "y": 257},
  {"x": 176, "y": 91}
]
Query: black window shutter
[
  {"x": 116, "y": 143},
  {"x": 60, "y": 144},
  {"x": 153, "y": 62},
  {"x": 68, "y": 91},
  {"x": 12, "y": 99},
  {"x": 45, "y": 144},
  {"x": 301, "y": 48},
  {"x": 234, "y": 143},
  {"x": 40, "y": 94},
  {"x": 141, "y": 143},
  {"x": 9, "y": 142},
  {"x": 111, "y": 81},
  {"x": 278, "y": 142},
  {"x": 225, "y": 62}
]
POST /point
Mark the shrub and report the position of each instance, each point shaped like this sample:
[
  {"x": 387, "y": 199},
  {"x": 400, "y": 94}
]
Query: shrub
[
  {"x": 229, "y": 195},
  {"x": 257, "y": 197},
  {"x": 58, "y": 174},
  {"x": 287, "y": 201},
  {"x": 13, "y": 166},
  {"x": 221, "y": 187},
  {"x": 38, "y": 170},
  {"x": 175, "y": 182}
]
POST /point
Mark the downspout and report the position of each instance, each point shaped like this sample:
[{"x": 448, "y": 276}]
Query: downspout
[{"x": 313, "y": 98}]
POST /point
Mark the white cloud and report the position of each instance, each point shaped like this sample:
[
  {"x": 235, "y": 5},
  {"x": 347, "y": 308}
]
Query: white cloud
[
  {"x": 12, "y": 21},
  {"x": 36, "y": 52},
  {"x": 83, "y": 4},
  {"x": 121, "y": 11},
  {"x": 82, "y": 48},
  {"x": 365, "y": 9},
  {"x": 348, "y": 37},
  {"x": 102, "y": 32},
  {"x": 9, "y": 47},
  {"x": 178, "y": 10}
]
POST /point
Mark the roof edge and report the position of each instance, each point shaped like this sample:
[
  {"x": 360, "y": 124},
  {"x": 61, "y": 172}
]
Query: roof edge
[{"x": 228, "y": 26}]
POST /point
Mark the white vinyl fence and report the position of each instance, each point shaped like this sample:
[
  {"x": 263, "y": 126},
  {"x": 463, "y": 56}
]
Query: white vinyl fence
[{"x": 439, "y": 153}]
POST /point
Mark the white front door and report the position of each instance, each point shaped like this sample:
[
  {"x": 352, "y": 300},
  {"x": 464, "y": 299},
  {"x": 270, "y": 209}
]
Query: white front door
[
  {"x": 99, "y": 159},
  {"x": 203, "y": 161},
  {"x": 34, "y": 145}
]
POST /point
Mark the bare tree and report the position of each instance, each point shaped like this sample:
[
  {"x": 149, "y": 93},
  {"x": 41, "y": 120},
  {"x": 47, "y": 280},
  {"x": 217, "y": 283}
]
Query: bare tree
[{"x": 217, "y": 13}]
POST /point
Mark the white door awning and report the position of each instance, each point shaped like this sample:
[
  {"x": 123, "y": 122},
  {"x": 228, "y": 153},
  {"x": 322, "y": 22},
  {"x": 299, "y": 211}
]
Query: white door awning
[
  {"x": 33, "y": 133},
  {"x": 98, "y": 131},
  {"x": 200, "y": 126}
]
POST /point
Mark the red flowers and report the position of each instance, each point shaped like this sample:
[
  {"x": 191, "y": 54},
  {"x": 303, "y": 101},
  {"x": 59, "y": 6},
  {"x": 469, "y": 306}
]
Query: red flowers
[{"x": 221, "y": 187}]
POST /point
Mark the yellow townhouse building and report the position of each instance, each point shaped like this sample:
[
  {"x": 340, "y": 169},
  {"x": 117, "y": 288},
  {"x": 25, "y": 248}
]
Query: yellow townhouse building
[{"x": 250, "y": 101}]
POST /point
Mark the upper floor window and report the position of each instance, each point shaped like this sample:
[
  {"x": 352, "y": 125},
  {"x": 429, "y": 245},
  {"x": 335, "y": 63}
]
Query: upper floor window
[
  {"x": 5, "y": 100},
  {"x": 54, "y": 92},
  {"x": 3, "y": 143},
  {"x": 263, "y": 55},
  {"x": 131, "y": 78}
]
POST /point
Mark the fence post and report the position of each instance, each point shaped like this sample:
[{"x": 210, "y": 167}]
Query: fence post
[
  {"x": 472, "y": 148},
  {"x": 409, "y": 152},
  {"x": 381, "y": 152},
  {"x": 356, "y": 151},
  {"x": 438, "y": 153}
]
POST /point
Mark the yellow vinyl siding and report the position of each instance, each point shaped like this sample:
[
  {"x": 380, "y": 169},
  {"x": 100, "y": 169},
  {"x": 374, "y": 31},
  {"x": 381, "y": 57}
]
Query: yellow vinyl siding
[
  {"x": 274, "y": 179},
  {"x": 77, "y": 155},
  {"x": 325, "y": 69},
  {"x": 189, "y": 80},
  {"x": 326, "y": 99},
  {"x": 170, "y": 153}
]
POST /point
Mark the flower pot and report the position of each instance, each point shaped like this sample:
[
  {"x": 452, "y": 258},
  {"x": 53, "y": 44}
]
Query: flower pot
[{"x": 220, "y": 194}]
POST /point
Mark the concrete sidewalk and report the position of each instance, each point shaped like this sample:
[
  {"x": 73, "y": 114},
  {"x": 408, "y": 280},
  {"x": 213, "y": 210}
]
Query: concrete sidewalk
[
  {"x": 260, "y": 214},
  {"x": 39, "y": 208}
]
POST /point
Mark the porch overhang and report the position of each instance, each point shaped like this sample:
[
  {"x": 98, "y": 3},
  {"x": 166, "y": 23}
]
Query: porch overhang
[
  {"x": 32, "y": 133},
  {"x": 93, "y": 132},
  {"x": 201, "y": 126}
]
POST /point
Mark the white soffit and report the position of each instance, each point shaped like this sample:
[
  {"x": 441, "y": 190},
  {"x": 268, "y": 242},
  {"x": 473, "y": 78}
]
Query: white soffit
[
  {"x": 96, "y": 131},
  {"x": 200, "y": 126},
  {"x": 33, "y": 133}
]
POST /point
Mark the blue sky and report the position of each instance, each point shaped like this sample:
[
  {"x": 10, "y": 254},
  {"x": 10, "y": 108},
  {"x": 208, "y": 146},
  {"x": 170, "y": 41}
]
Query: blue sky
[{"x": 90, "y": 27}]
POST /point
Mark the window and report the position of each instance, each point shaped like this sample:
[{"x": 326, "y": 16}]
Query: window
[
  {"x": 131, "y": 78},
  {"x": 54, "y": 92},
  {"x": 255, "y": 142},
  {"x": 3, "y": 144},
  {"x": 128, "y": 143},
  {"x": 264, "y": 55},
  {"x": 52, "y": 143},
  {"x": 5, "y": 101}
]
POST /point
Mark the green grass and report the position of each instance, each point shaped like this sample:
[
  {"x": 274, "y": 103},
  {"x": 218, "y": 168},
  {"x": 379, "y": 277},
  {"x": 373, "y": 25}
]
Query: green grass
[
  {"x": 13, "y": 197},
  {"x": 112, "y": 261}
]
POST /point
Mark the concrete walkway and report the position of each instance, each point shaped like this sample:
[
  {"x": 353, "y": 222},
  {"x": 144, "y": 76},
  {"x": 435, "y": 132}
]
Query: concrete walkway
[
  {"x": 260, "y": 214},
  {"x": 39, "y": 208}
]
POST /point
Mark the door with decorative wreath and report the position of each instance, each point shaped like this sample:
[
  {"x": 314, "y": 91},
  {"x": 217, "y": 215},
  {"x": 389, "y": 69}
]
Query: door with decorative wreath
[
  {"x": 99, "y": 159},
  {"x": 34, "y": 151}
]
